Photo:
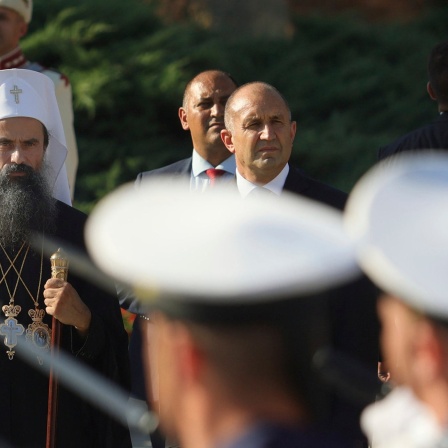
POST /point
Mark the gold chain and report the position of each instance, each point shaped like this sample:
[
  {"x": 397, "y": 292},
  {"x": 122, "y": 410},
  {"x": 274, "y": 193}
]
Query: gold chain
[
  {"x": 37, "y": 332},
  {"x": 11, "y": 296},
  {"x": 11, "y": 265},
  {"x": 19, "y": 273}
]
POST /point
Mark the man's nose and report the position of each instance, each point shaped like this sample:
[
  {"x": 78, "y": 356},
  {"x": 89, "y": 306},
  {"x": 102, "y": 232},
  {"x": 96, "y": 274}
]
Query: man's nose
[
  {"x": 217, "y": 110},
  {"x": 17, "y": 155},
  {"x": 267, "y": 133}
]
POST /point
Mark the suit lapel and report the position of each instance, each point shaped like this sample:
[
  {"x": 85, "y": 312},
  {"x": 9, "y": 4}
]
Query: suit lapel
[{"x": 295, "y": 182}]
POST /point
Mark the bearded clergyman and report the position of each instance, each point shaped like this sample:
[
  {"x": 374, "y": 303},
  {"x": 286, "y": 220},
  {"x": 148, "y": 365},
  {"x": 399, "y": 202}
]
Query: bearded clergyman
[{"x": 32, "y": 153}]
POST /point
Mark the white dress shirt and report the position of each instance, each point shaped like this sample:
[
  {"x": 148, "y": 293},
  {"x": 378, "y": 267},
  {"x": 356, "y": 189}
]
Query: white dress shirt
[
  {"x": 199, "y": 179},
  {"x": 275, "y": 185}
]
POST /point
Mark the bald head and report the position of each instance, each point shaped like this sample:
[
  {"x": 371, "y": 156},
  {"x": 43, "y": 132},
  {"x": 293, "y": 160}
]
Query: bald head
[
  {"x": 202, "y": 113},
  {"x": 259, "y": 131},
  {"x": 207, "y": 76},
  {"x": 261, "y": 89}
]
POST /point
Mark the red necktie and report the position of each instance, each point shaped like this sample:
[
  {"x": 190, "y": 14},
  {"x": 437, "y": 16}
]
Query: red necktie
[{"x": 213, "y": 174}]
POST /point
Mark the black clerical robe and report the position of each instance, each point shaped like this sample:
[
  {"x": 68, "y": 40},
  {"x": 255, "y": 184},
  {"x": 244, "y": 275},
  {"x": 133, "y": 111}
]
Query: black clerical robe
[{"x": 23, "y": 389}]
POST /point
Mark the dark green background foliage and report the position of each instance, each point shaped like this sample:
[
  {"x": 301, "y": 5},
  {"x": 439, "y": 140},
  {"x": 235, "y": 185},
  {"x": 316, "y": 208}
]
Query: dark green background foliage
[{"x": 352, "y": 85}]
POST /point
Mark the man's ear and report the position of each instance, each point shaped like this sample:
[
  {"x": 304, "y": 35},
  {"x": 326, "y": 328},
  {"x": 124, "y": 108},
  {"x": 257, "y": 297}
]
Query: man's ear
[
  {"x": 191, "y": 359},
  {"x": 428, "y": 353},
  {"x": 293, "y": 130},
  {"x": 183, "y": 119},
  {"x": 226, "y": 137},
  {"x": 23, "y": 28},
  {"x": 430, "y": 91}
]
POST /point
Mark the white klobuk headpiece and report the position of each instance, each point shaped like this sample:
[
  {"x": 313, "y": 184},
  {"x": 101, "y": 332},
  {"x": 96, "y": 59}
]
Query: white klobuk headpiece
[
  {"x": 216, "y": 247},
  {"x": 397, "y": 215},
  {"x": 26, "y": 93}
]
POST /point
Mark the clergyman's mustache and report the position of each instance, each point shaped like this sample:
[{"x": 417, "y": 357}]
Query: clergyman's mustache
[{"x": 17, "y": 168}]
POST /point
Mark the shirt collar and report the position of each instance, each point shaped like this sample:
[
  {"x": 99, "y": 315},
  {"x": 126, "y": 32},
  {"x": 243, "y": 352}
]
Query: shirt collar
[
  {"x": 275, "y": 185},
  {"x": 199, "y": 164}
]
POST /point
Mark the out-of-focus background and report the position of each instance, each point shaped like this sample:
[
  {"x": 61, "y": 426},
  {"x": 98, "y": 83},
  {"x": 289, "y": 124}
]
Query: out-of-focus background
[{"x": 354, "y": 73}]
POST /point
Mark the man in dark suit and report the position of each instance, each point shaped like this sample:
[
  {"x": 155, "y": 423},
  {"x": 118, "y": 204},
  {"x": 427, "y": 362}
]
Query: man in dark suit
[
  {"x": 260, "y": 132},
  {"x": 202, "y": 113},
  {"x": 435, "y": 134}
]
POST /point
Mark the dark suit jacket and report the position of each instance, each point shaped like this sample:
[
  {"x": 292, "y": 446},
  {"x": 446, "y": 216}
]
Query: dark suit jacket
[
  {"x": 431, "y": 136},
  {"x": 129, "y": 301},
  {"x": 355, "y": 327},
  {"x": 298, "y": 182},
  {"x": 182, "y": 167}
]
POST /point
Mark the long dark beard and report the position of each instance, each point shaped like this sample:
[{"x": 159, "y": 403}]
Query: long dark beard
[{"x": 26, "y": 205}]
